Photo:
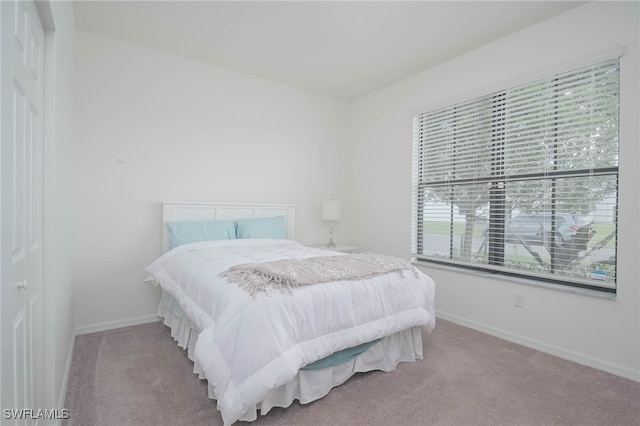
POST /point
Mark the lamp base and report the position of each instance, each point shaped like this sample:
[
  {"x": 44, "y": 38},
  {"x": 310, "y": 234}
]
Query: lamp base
[{"x": 331, "y": 244}]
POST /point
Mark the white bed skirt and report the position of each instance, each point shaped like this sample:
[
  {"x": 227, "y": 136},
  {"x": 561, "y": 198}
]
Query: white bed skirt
[{"x": 308, "y": 385}]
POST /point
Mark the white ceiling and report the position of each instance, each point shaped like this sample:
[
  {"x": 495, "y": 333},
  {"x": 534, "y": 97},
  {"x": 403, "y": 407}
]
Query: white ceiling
[{"x": 339, "y": 49}]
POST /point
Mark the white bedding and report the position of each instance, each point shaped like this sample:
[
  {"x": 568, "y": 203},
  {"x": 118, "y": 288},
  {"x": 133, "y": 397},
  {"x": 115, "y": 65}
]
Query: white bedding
[{"x": 249, "y": 346}]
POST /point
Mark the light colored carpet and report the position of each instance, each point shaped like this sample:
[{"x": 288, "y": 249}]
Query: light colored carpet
[{"x": 138, "y": 376}]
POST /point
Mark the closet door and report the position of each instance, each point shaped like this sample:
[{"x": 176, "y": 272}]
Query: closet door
[{"x": 21, "y": 267}]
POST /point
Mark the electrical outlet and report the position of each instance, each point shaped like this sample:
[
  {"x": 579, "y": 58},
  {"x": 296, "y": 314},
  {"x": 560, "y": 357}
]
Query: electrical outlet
[{"x": 518, "y": 300}]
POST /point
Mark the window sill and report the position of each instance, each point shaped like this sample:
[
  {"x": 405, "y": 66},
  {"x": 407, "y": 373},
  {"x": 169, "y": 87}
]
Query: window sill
[{"x": 517, "y": 280}]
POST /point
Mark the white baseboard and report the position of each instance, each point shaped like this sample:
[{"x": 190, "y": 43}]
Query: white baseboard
[
  {"x": 600, "y": 364},
  {"x": 110, "y": 325}
]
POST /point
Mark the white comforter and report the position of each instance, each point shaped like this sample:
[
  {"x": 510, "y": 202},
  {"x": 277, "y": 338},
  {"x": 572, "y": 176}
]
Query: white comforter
[{"x": 249, "y": 346}]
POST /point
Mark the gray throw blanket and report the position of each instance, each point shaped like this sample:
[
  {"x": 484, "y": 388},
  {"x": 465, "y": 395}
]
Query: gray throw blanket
[{"x": 288, "y": 273}]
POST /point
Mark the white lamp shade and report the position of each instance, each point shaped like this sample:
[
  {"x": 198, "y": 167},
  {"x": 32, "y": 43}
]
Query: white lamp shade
[{"x": 331, "y": 210}]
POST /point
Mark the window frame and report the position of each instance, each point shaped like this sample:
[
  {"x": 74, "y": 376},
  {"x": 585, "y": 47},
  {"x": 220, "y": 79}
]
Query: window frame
[{"x": 497, "y": 182}]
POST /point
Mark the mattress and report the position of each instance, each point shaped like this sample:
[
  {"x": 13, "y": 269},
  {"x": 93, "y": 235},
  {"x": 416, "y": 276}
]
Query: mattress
[{"x": 251, "y": 348}]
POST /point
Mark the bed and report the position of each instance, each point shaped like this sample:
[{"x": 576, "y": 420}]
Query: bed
[{"x": 270, "y": 346}]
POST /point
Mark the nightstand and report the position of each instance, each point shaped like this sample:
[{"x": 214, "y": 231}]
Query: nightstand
[{"x": 338, "y": 247}]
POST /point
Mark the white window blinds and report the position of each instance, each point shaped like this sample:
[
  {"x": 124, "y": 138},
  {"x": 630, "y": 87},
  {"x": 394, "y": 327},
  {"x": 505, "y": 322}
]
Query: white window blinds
[{"x": 523, "y": 181}]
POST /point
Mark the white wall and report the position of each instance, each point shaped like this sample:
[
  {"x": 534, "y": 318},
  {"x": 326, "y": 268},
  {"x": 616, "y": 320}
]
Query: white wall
[
  {"x": 58, "y": 132},
  {"x": 596, "y": 331},
  {"x": 186, "y": 132}
]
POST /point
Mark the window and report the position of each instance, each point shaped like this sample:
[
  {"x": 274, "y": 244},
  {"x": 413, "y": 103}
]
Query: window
[{"x": 523, "y": 181}]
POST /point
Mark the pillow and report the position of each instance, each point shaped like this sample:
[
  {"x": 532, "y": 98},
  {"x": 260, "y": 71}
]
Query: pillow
[
  {"x": 261, "y": 227},
  {"x": 184, "y": 232}
]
